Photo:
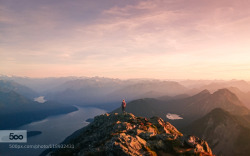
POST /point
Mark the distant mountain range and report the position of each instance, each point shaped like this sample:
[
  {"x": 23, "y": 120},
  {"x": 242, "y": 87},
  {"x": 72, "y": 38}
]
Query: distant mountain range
[
  {"x": 240, "y": 84},
  {"x": 107, "y": 91},
  {"x": 9, "y": 85},
  {"x": 189, "y": 108},
  {"x": 239, "y": 87},
  {"x": 17, "y": 110},
  {"x": 104, "y": 91},
  {"x": 213, "y": 85},
  {"x": 243, "y": 96},
  {"x": 39, "y": 85}
]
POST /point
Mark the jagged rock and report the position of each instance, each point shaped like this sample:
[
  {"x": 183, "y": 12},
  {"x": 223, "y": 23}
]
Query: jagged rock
[
  {"x": 125, "y": 134},
  {"x": 198, "y": 144}
]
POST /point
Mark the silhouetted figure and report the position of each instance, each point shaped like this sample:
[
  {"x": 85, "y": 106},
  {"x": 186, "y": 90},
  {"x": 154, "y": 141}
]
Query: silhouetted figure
[{"x": 123, "y": 106}]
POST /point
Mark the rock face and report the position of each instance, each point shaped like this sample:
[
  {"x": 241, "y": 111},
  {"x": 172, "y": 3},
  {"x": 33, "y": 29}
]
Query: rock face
[
  {"x": 125, "y": 134},
  {"x": 227, "y": 135}
]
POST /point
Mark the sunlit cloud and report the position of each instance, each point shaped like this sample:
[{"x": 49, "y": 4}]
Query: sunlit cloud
[{"x": 153, "y": 38}]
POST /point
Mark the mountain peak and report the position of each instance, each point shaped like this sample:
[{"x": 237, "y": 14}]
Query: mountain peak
[
  {"x": 219, "y": 114},
  {"x": 205, "y": 91},
  {"x": 226, "y": 93},
  {"x": 126, "y": 134},
  {"x": 223, "y": 91}
]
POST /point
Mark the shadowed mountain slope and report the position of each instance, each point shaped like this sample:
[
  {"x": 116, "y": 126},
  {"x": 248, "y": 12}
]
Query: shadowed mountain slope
[
  {"x": 190, "y": 108},
  {"x": 17, "y": 110},
  {"x": 6, "y": 85},
  {"x": 224, "y": 132}
]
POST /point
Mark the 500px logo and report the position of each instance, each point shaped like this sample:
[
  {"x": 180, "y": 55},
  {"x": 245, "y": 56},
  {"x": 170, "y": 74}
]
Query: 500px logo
[{"x": 13, "y": 136}]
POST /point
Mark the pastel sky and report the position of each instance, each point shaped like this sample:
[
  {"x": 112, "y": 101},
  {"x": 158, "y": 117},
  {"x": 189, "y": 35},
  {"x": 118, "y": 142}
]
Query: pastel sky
[{"x": 163, "y": 39}]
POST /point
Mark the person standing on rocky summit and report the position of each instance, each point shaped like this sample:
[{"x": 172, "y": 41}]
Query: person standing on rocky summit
[{"x": 123, "y": 106}]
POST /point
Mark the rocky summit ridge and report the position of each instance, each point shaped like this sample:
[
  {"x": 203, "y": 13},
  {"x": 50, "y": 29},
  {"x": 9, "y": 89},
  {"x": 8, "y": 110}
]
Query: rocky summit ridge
[{"x": 125, "y": 134}]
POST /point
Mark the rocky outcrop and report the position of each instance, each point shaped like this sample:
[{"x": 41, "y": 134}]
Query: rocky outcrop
[{"x": 125, "y": 134}]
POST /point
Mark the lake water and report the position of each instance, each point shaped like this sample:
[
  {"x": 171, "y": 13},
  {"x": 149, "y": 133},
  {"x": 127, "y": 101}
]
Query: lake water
[
  {"x": 173, "y": 116},
  {"x": 54, "y": 130},
  {"x": 40, "y": 99}
]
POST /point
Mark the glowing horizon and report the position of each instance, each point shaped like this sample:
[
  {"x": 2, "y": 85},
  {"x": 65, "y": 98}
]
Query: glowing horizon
[{"x": 170, "y": 39}]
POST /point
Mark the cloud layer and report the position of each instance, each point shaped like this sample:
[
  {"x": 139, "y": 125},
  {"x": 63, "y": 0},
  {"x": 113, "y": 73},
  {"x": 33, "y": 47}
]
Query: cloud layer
[{"x": 181, "y": 39}]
